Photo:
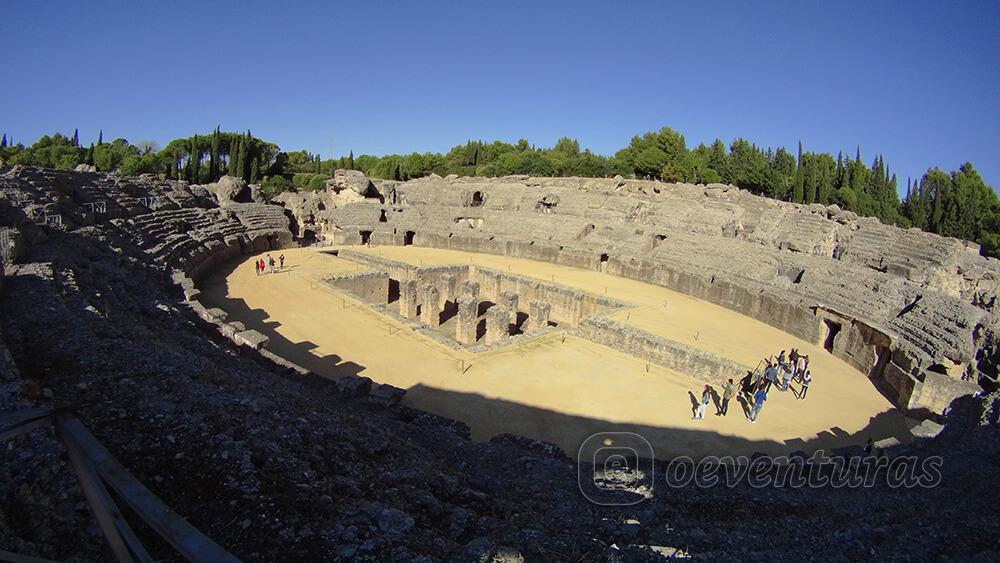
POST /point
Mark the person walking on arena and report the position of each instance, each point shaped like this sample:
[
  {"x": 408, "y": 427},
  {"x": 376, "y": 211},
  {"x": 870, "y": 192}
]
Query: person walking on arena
[
  {"x": 806, "y": 380},
  {"x": 786, "y": 377},
  {"x": 256, "y": 267},
  {"x": 758, "y": 402},
  {"x": 770, "y": 376},
  {"x": 261, "y": 264},
  {"x": 706, "y": 396},
  {"x": 800, "y": 369},
  {"x": 281, "y": 261},
  {"x": 270, "y": 262},
  {"x": 727, "y": 393}
]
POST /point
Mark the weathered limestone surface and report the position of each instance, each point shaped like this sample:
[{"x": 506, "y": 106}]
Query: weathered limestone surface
[
  {"x": 430, "y": 306},
  {"x": 371, "y": 287},
  {"x": 408, "y": 299},
  {"x": 468, "y": 320},
  {"x": 538, "y": 315},
  {"x": 497, "y": 324},
  {"x": 509, "y": 301},
  {"x": 471, "y": 288}
]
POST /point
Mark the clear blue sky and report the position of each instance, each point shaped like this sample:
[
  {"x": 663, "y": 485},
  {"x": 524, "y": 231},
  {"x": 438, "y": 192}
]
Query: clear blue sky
[{"x": 917, "y": 81}]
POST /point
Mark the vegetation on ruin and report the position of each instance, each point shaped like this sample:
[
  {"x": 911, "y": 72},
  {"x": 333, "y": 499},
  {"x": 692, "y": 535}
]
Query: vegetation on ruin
[{"x": 957, "y": 204}]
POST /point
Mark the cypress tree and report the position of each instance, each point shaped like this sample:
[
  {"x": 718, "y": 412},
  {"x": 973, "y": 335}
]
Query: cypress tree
[
  {"x": 253, "y": 172},
  {"x": 195, "y": 161},
  {"x": 100, "y": 137},
  {"x": 3, "y": 142},
  {"x": 798, "y": 191},
  {"x": 76, "y": 137},
  {"x": 213, "y": 165},
  {"x": 350, "y": 161},
  {"x": 811, "y": 179},
  {"x": 89, "y": 156},
  {"x": 242, "y": 170},
  {"x": 234, "y": 157}
]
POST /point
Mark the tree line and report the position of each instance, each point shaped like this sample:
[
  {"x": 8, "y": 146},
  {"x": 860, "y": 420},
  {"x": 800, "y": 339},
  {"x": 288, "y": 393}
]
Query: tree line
[
  {"x": 956, "y": 204},
  {"x": 196, "y": 159}
]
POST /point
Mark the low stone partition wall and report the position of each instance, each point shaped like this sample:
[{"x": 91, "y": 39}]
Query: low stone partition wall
[
  {"x": 396, "y": 269},
  {"x": 370, "y": 287},
  {"x": 702, "y": 365},
  {"x": 750, "y": 298},
  {"x": 568, "y": 306}
]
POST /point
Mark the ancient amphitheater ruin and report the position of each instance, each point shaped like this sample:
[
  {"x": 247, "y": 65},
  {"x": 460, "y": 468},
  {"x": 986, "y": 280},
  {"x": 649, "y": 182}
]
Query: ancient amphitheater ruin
[{"x": 412, "y": 384}]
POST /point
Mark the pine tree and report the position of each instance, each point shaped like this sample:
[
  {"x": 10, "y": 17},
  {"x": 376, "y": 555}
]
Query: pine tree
[{"x": 76, "y": 137}]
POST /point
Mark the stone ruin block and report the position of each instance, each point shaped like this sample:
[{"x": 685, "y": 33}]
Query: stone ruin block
[
  {"x": 430, "y": 307},
  {"x": 491, "y": 286},
  {"x": 538, "y": 315},
  {"x": 448, "y": 287},
  {"x": 468, "y": 320},
  {"x": 509, "y": 301},
  {"x": 251, "y": 339},
  {"x": 230, "y": 330},
  {"x": 408, "y": 299},
  {"x": 471, "y": 288},
  {"x": 576, "y": 314},
  {"x": 497, "y": 324}
]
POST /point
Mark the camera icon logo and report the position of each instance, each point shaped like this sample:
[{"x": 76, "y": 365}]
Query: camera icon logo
[
  {"x": 615, "y": 468},
  {"x": 618, "y": 470}
]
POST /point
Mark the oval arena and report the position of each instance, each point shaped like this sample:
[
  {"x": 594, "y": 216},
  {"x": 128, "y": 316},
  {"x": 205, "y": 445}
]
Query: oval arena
[{"x": 556, "y": 308}]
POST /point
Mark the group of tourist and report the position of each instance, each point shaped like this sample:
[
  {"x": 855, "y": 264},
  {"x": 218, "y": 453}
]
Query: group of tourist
[
  {"x": 779, "y": 371},
  {"x": 262, "y": 268}
]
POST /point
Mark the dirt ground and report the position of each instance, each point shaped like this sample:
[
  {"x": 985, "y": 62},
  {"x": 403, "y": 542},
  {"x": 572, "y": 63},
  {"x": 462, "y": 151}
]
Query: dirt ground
[{"x": 556, "y": 388}]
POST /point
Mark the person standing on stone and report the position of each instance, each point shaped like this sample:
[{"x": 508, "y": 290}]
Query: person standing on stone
[
  {"x": 270, "y": 262},
  {"x": 758, "y": 402},
  {"x": 281, "y": 261},
  {"x": 706, "y": 396},
  {"x": 727, "y": 394},
  {"x": 806, "y": 380}
]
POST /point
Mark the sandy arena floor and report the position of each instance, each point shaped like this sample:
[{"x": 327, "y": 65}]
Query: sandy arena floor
[{"x": 551, "y": 389}]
